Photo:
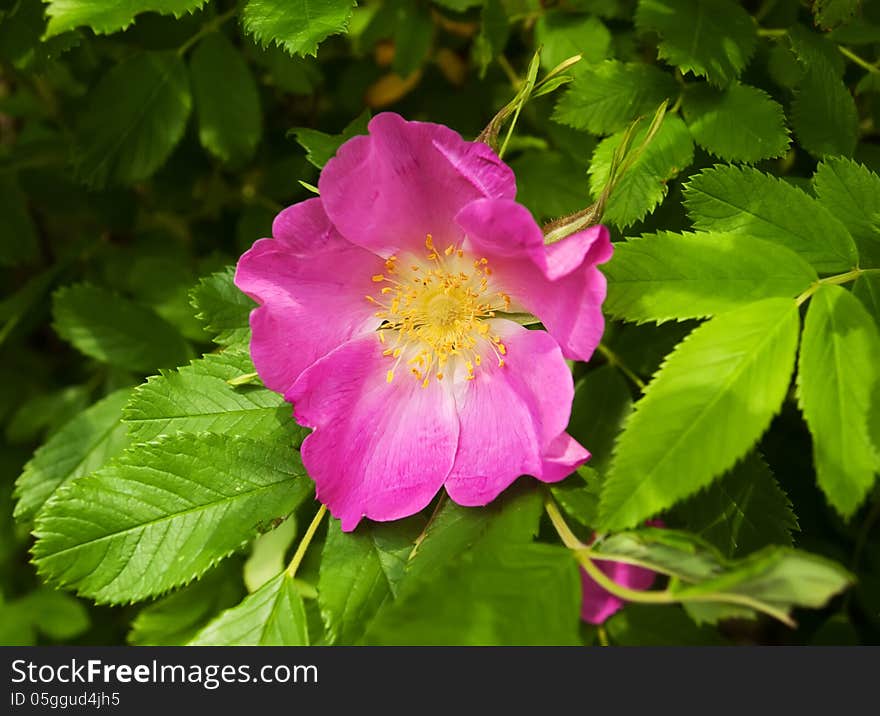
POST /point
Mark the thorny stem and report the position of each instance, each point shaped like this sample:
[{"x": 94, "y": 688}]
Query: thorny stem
[
  {"x": 585, "y": 556},
  {"x": 209, "y": 27},
  {"x": 306, "y": 541}
]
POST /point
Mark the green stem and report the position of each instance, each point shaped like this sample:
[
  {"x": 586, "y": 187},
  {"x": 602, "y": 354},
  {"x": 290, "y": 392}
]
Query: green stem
[
  {"x": 603, "y": 636},
  {"x": 515, "y": 81},
  {"x": 582, "y": 554},
  {"x": 831, "y": 281},
  {"x": 772, "y": 32},
  {"x": 306, "y": 541},
  {"x": 615, "y": 360},
  {"x": 864, "y": 64},
  {"x": 209, "y": 27}
]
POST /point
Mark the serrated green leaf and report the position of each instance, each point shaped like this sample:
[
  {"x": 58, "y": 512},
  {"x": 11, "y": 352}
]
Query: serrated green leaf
[
  {"x": 360, "y": 571},
  {"x": 743, "y": 200},
  {"x": 710, "y": 402},
  {"x": 177, "y": 618},
  {"x": 83, "y": 445},
  {"x": 274, "y": 615},
  {"x": 198, "y": 398},
  {"x": 114, "y": 330},
  {"x": 106, "y": 16},
  {"x": 824, "y": 114},
  {"x": 296, "y": 25},
  {"x": 668, "y": 276},
  {"x": 183, "y": 502},
  {"x": 223, "y": 308},
  {"x": 608, "y": 96},
  {"x": 226, "y": 98},
  {"x": 508, "y": 595},
  {"x": 710, "y": 38},
  {"x": 851, "y": 192},
  {"x": 320, "y": 146},
  {"x": 743, "y": 512},
  {"x": 133, "y": 120},
  {"x": 740, "y": 123},
  {"x": 644, "y": 185},
  {"x": 562, "y": 35},
  {"x": 18, "y": 235},
  {"x": 837, "y": 373}
]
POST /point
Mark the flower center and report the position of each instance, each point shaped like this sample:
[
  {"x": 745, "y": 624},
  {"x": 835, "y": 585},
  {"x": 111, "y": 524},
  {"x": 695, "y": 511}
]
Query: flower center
[{"x": 433, "y": 310}]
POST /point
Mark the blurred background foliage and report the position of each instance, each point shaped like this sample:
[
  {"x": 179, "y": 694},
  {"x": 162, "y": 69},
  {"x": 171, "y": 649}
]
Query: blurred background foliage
[{"x": 138, "y": 156}]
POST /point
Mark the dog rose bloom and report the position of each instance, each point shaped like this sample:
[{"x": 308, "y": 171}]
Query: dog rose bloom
[{"x": 381, "y": 319}]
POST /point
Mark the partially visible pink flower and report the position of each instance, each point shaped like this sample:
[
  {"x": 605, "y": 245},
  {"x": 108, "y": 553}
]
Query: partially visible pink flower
[
  {"x": 598, "y": 604},
  {"x": 381, "y": 319}
]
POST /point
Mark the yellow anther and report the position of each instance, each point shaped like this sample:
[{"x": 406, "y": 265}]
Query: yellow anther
[
  {"x": 378, "y": 278},
  {"x": 449, "y": 249},
  {"x": 389, "y": 376}
]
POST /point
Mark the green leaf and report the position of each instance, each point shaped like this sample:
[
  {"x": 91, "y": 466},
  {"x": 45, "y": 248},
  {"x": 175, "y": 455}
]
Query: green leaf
[
  {"x": 494, "y": 32},
  {"x": 743, "y": 512},
  {"x": 563, "y": 35},
  {"x": 320, "y": 146},
  {"x": 453, "y": 530},
  {"x": 227, "y": 101},
  {"x": 508, "y": 595},
  {"x": 198, "y": 398},
  {"x": 183, "y": 502},
  {"x": 579, "y": 495},
  {"x": 223, "y": 308},
  {"x": 360, "y": 571},
  {"x": 824, "y": 114},
  {"x": 413, "y": 35},
  {"x": 114, "y": 330},
  {"x": 274, "y": 615},
  {"x": 644, "y": 185},
  {"x": 740, "y": 123},
  {"x": 851, "y": 192},
  {"x": 678, "y": 276},
  {"x": 606, "y": 97},
  {"x": 18, "y": 235},
  {"x": 867, "y": 290},
  {"x": 177, "y": 618},
  {"x": 658, "y": 625},
  {"x": 837, "y": 373},
  {"x": 830, "y": 13},
  {"x": 55, "y": 614},
  {"x": 83, "y": 445},
  {"x": 106, "y": 16},
  {"x": 602, "y": 402},
  {"x": 710, "y": 38},
  {"x": 779, "y": 577},
  {"x": 549, "y": 183},
  {"x": 133, "y": 119},
  {"x": 268, "y": 554},
  {"x": 742, "y": 200},
  {"x": 296, "y": 25},
  {"x": 707, "y": 406}
]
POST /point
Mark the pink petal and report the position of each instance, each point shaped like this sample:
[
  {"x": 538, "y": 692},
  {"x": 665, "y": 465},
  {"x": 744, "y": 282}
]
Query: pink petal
[
  {"x": 379, "y": 449},
  {"x": 513, "y": 418},
  {"x": 598, "y": 604},
  {"x": 560, "y": 284},
  {"x": 387, "y": 190},
  {"x": 311, "y": 285}
]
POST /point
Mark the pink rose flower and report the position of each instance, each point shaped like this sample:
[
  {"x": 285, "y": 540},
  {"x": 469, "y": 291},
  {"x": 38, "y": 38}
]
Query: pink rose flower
[
  {"x": 381, "y": 320},
  {"x": 597, "y": 603}
]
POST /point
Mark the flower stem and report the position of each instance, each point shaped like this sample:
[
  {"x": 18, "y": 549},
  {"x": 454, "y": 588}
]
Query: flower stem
[
  {"x": 583, "y": 555},
  {"x": 832, "y": 281},
  {"x": 615, "y": 360},
  {"x": 306, "y": 541},
  {"x": 209, "y": 27},
  {"x": 853, "y": 57}
]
